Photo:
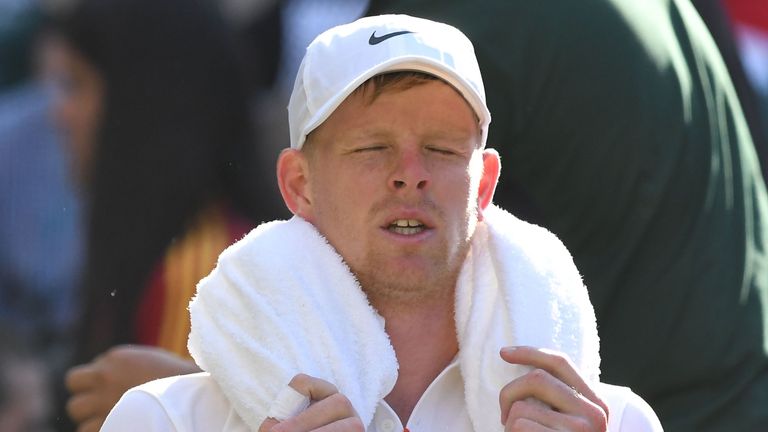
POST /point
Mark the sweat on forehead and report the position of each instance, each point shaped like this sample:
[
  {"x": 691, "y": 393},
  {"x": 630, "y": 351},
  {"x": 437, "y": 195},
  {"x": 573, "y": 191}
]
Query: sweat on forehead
[{"x": 341, "y": 59}]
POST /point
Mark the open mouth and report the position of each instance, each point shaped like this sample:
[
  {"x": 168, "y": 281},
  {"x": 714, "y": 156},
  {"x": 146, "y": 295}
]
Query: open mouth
[{"x": 406, "y": 227}]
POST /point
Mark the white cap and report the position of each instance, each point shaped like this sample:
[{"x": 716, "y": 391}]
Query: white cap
[{"x": 339, "y": 60}]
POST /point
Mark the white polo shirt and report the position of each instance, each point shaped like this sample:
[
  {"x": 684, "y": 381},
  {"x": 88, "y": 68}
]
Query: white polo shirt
[{"x": 195, "y": 403}]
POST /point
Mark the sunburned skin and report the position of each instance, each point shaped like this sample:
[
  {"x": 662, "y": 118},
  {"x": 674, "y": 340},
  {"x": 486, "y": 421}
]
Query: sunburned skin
[{"x": 406, "y": 180}]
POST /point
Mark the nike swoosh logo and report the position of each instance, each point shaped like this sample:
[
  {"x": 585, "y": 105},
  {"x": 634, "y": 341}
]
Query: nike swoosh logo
[{"x": 374, "y": 40}]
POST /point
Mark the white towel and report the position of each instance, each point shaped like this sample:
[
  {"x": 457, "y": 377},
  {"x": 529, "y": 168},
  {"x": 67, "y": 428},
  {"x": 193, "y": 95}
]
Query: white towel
[
  {"x": 518, "y": 286},
  {"x": 282, "y": 301}
]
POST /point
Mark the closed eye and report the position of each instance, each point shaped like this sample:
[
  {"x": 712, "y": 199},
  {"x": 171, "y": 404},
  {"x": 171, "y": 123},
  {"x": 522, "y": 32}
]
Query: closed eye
[
  {"x": 442, "y": 151},
  {"x": 368, "y": 149}
]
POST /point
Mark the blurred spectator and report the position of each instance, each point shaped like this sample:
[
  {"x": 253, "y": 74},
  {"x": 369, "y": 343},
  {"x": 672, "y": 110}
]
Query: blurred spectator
[
  {"x": 40, "y": 240},
  {"x": 620, "y": 131},
  {"x": 25, "y": 403},
  {"x": 40, "y": 244},
  {"x": 39, "y": 212},
  {"x": 154, "y": 107}
]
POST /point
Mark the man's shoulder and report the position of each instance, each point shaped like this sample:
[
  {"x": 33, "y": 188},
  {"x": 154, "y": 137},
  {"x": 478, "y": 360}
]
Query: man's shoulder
[
  {"x": 180, "y": 403},
  {"x": 627, "y": 410},
  {"x": 175, "y": 386},
  {"x": 277, "y": 237}
]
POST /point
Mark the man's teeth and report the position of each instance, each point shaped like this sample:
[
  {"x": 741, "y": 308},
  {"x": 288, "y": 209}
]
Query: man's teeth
[
  {"x": 407, "y": 223},
  {"x": 406, "y": 226}
]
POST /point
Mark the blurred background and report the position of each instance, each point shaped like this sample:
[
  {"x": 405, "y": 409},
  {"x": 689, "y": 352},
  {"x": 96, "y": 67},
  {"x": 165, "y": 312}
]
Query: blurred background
[{"x": 138, "y": 139}]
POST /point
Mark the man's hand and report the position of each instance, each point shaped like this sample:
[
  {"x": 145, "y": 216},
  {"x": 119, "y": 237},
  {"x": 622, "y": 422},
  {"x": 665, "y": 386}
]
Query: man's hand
[
  {"x": 553, "y": 396},
  {"x": 329, "y": 410},
  {"x": 97, "y": 386}
]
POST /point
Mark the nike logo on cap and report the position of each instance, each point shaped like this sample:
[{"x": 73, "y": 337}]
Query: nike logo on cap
[{"x": 373, "y": 40}]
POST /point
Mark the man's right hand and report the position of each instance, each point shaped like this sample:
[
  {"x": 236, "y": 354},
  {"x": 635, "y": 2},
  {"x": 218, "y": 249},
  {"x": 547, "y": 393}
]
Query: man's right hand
[{"x": 329, "y": 410}]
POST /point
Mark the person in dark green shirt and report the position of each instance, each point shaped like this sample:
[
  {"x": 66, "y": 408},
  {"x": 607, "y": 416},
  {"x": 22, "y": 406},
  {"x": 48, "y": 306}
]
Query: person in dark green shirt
[{"x": 620, "y": 131}]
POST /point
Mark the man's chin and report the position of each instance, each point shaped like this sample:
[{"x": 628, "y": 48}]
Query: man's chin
[{"x": 406, "y": 286}]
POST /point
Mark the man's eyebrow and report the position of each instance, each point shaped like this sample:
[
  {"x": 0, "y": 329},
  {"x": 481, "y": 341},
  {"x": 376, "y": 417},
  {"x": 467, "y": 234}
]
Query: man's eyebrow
[
  {"x": 368, "y": 133},
  {"x": 452, "y": 135}
]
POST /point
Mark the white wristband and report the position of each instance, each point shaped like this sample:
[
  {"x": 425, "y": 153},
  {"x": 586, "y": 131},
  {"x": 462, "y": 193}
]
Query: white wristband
[{"x": 287, "y": 404}]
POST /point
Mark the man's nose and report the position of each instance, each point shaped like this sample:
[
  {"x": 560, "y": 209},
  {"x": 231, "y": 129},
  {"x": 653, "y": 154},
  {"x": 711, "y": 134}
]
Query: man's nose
[{"x": 411, "y": 172}]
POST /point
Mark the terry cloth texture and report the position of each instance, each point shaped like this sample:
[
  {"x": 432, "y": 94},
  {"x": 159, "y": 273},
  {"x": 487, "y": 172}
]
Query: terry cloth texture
[{"x": 283, "y": 302}]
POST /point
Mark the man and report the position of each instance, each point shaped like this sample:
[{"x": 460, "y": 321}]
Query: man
[
  {"x": 398, "y": 298},
  {"x": 621, "y": 132}
]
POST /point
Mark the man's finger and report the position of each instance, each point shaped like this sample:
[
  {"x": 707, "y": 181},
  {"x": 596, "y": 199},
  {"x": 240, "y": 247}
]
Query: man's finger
[
  {"x": 528, "y": 426},
  {"x": 91, "y": 425},
  {"x": 533, "y": 410},
  {"x": 557, "y": 365},
  {"x": 268, "y": 424},
  {"x": 349, "y": 424},
  {"x": 80, "y": 378},
  {"x": 324, "y": 412},
  {"x": 315, "y": 388},
  {"x": 82, "y": 406},
  {"x": 548, "y": 392}
]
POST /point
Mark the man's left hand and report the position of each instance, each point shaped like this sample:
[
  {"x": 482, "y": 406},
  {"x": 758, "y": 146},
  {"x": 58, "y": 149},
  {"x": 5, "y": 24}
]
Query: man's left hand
[{"x": 553, "y": 396}]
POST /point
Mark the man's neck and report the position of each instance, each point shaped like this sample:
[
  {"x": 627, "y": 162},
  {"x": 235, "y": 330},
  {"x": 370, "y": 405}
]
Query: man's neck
[{"x": 425, "y": 342}]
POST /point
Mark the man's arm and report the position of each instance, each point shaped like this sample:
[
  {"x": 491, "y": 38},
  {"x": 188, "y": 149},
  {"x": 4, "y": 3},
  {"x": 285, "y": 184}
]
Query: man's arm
[{"x": 635, "y": 413}]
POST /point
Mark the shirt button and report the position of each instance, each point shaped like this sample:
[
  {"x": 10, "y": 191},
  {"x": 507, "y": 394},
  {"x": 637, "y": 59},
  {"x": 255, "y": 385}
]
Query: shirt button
[{"x": 387, "y": 425}]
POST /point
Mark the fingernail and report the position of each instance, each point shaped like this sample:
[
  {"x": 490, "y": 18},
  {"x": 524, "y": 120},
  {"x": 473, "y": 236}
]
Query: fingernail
[{"x": 508, "y": 349}]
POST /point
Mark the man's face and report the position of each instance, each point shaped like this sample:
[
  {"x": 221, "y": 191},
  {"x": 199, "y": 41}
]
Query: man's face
[{"x": 393, "y": 185}]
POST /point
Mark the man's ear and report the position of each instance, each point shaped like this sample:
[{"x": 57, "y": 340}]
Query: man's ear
[
  {"x": 293, "y": 180},
  {"x": 489, "y": 180}
]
